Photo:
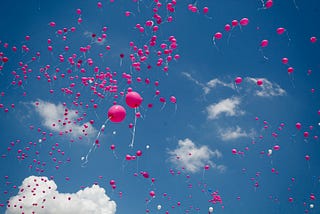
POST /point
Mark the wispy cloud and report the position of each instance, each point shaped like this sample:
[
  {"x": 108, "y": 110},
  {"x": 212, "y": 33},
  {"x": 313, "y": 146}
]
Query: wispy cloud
[
  {"x": 233, "y": 133},
  {"x": 228, "y": 107},
  {"x": 207, "y": 87},
  {"x": 40, "y": 195},
  {"x": 267, "y": 89},
  {"x": 60, "y": 119},
  {"x": 193, "y": 158}
]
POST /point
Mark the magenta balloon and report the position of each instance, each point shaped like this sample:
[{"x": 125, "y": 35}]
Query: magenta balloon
[
  {"x": 116, "y": 113},
  {"x": 298, "y": 126},
  {"x": 133, "y": 99},
  {"x": 313, "y": 39},
  {"x": 238, "y": 80},
  {"x": 244, "y": 21},
  {"x": 259, "y": 82},
  {"x": 227, "y": 27},
  {"x": 234, "y": 23},
  {"x": 173, "y": 99},
  {"x": 280, "y": 30},
  {"x": 218, "y": 35},
  {"x": 285, "y": 60},
  {"x": 264, "y": 43},
  {"x": 269, "y": 3}
]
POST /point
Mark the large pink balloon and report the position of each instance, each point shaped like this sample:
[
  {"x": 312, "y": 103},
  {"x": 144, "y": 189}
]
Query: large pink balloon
[
  {"x": 133, "y": 99},
  {"x": 116, "y": 113}
]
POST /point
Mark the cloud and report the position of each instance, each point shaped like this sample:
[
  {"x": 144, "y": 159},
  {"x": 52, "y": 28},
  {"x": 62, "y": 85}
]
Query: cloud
[
  {"x": 267, "y": 89},
  {"x": 60, "y": 119},
  {"x": 209, "y": 85},
  {"x": 232, "y": 133},
  {"x": 228, "y": 106},
  {"x": 192, "y": 158},
  {"x": 40, "y": 195}
]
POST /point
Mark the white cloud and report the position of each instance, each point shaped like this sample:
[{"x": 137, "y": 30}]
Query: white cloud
[
  {"x": 228, "y": 106},
  {"x": 267, "y": 89},
  {"x": 55, "y": 118},
  {"x": 40, "y": 195},
  {"x": 216, "y": 82},
  {"x": 232, "y": 133},
  {"x": 187, "y": 155},
  {"x": 209, "y": 85}
]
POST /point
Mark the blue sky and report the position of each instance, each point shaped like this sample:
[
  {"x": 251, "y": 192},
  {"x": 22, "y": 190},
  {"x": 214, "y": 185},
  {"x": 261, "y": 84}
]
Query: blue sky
[{"x": 51, "y": 119}]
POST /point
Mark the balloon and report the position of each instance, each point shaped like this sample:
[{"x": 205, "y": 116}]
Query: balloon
[
  {"x": 218, "y": 35},
  {"x": 238, "y": 80},
  {"x": 244, "y": 21},
  {"x": 133, "y": 99},
  {"x": 313, "y": 39},
  {"x": 276, "y": 147},
  {"x": 264, "y": 43},
  {"x": 285, "y": 60},
  {"x": 210, "y": 209},
  {"x": 159, "y": 207},
  {"x": 280, "y": 30},
  {"x": 152, "y": 194},
  {"x": 269, "y": 3},
  {"x": 234, "y": 151},
  {"x": 290, "y": 70},
  {"x": 259, "y": 82},
  {"x": 298, "y": 126},
  {"x": 227, "y": 27},
  {"x": 234, "y": 23},
  {"x": 173, "y": 99},
  {"x": 205, "y": 10},
  {"x": 116, "y": 113}
]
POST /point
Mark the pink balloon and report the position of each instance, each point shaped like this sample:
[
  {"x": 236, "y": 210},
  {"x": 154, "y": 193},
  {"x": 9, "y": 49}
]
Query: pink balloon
[
  {"x": 152, "y": 193},
  {"x": 116, "y": 113},
  {"x": 112, "y": 147},
  {"x": 276, "y": 147},
  {"x": 280, "y": 30},
  {"x": 173, "y": 99},
  {"x": 227, "y": 27},
  {"x": 234, "y": 151},
  {"x": 133, "y": 99},
  {"x": 259, "y": 82},
  {"x": 238, "y": 80},
  {"x": 269, "y": 3},
  {"x": 298, "y": 126},
  {"x": 285, "y": 60},
  {"x": 290, "y": 70},
  {"x": 264, "y": 43},
  {"x": 306, "y": 134},
  {"x": 139, "y": 153},
  {"x": 313, "y": 39},
  {"x": 205, "y": 10},
  {"x": 218, "y": 35},
  {"x": 244, "y": 21},
  {"x": 234, "y": 23},
  {"x": 307, "y": 157}
]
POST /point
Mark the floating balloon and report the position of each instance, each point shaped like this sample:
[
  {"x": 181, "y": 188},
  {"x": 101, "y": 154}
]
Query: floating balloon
[
  {"x": 238, "y": 80},
  {"x": 133, "y": 99},
  {"x": 264, "y": 43},
  {"x": 244, "y": 21},
  {"x": 116, "y": 113}
]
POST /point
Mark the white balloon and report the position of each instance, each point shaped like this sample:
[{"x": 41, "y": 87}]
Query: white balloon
[
  {"x": 210, "y": 209},
  {"x": 159, "y": 207},
  {"x": 311, "y": 206},
  {"x": 269, "y": 152}
]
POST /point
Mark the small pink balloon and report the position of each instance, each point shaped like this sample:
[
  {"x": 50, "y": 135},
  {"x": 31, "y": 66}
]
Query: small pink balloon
[
  {"x": 116, "y": 113},
  {"x": 152, "y": 193},
  {"x": 205, "y": 10},
  {"x": 234, "y": 151},
  {"x": 313, "y": 39},
  {"x": 290, "y": 70},
  {"x": 112, "y": 147},
  {"x": 269, "y": 3},
  {"x": 280, "y": 30},
  {"x": 238, "y": 80},
  {"x": 285, "y": 60},
  {"x": 298, "y": 126},
  {"x": 139, "y": 153},
  {"x": 227, "y": 27},
  {"x": 133, "y": 99},
  {"x": 234, "y": 23},
  {"x": 244, "y": 21},
  {"x": 276, "y": 147},
  {"x": 306, "y": 134},
  {"x": 173, "y": 99},
  {"x": 307, "y": 157},
  {"x": 259, "y": 82},
  {"x": 218, "y": 35},
  {"x": 264, "y": 43}
]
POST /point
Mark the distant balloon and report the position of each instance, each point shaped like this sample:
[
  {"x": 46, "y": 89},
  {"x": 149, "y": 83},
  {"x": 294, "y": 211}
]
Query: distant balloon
[
  {"x": 280, "y": 30},
  {"x": 244, "y": 21},
  {"x": 313, "y": 39},
  {"x": 264, "y": 43},
  {"x": 218, "y": 35},
  {"x": 210, "y": 209},
  {"x": 259, "y": 82},
  {"x": 238, "y": 80}
]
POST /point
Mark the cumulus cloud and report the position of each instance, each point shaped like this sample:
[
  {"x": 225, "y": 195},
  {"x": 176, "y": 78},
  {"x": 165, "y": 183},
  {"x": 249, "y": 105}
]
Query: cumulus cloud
[
  {"x": 40, "y": 195},
  {"x": 60, "y": 119},
  {"x": 193, "y": 158},
  {"x": 267, "y": 89},
  {"x": 228, "y": 106},
  {"x": 232, "y": 133}
]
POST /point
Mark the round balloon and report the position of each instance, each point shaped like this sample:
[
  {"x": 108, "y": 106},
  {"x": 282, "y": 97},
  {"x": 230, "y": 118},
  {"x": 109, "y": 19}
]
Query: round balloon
[
  {"x": 116, "y": 113},
  {"x": 133, "y": 99}
]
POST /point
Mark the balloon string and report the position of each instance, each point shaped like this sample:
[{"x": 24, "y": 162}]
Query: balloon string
[
  {"x": 134, "y": 128},
  {"x": 94, "y": 145}
]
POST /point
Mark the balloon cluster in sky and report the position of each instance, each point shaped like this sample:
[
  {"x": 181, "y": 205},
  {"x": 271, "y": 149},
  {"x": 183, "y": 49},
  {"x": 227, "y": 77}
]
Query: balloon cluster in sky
[{"x": 114, "y": 102}]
